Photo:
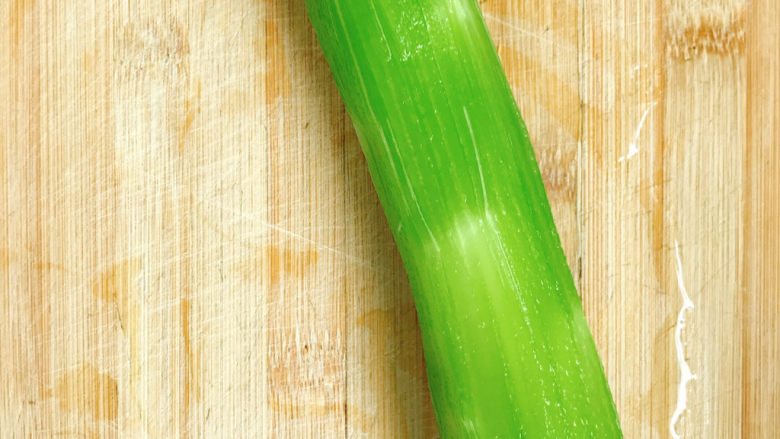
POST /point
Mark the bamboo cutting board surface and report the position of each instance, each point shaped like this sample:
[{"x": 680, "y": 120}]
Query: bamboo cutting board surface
[{"x": 191, "y": 246}]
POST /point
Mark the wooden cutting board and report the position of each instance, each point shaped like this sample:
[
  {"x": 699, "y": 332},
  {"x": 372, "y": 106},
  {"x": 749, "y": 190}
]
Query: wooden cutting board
[{"x": 190, "y": 244}]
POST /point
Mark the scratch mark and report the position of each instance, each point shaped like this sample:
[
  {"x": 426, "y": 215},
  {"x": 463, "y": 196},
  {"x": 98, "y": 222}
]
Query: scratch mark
[
  {"x": 411, "y": 190},
  {"x": 476, "y": 155},
  {"x": 382, "y": 31},
  {"x": 633, "y": 147},
  {"x": 391, "y": 159},
  {"x": 517, "y": 27},
  {"x": 685, "y": 369}
]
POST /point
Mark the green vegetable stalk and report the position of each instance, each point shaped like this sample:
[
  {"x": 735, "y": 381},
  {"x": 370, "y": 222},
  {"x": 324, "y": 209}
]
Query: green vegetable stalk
[{"x": 507, "y": 347}]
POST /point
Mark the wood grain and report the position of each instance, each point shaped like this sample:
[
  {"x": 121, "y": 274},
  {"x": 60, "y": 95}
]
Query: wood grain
[
  {"x": 760, "y": 282},
  {"x": 191, "y": 245}
]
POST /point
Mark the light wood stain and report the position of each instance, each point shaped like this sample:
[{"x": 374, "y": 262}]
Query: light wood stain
[
  {"x": 118, "y": 281},
  {"x": 283, "y": 263},
  {"x": 86, "y": 391},
  {"x": 277, "y": 82},
  {"x": 16, "y": 21},
  {"x": 6, "y": 257},
  {"x": 712, "y": 30}
]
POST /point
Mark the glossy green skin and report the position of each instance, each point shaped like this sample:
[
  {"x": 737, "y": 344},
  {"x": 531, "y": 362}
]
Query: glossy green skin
[{"x": 507, "y": 347}]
